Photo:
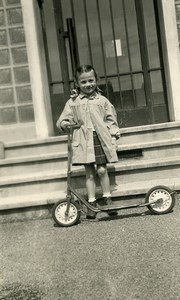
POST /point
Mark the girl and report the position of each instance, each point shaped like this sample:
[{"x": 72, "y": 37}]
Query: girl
[{"x": 95, "y": 141}]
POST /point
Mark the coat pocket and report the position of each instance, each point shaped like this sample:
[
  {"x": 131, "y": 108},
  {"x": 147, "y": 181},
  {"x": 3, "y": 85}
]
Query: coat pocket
[{"x": 76, "y": 138}]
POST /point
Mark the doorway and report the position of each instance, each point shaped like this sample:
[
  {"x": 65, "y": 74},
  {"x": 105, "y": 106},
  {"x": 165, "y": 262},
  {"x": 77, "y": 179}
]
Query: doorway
[{"x": 121, "y": 39}]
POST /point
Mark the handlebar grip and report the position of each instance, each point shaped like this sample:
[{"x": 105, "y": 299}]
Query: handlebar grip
[{"x": 73, "y": 126}]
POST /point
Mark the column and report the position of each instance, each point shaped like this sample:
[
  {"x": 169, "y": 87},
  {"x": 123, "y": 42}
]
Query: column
[
  {"x": 167, "y": 16},
  {"x": 37, "y": 67}
]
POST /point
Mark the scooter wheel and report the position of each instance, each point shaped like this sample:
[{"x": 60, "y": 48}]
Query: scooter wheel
[
  {"x": 59, "y": 216},
  {"x": 164, "y": 197}
]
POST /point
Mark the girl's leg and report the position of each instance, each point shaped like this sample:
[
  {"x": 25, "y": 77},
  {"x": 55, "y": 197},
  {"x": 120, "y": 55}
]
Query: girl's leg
[
  {"x": 105, "y": 185},
  {"x": 104, "y": 180},
  {"x": 90, "y": 181}
]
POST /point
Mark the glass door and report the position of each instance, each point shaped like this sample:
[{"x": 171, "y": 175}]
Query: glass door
[{"x": 120, "y": 38}]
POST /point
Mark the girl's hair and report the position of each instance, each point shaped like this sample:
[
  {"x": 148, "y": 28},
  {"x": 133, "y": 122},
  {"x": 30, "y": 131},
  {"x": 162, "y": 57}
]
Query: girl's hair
[{"x": 84, "y": 69}]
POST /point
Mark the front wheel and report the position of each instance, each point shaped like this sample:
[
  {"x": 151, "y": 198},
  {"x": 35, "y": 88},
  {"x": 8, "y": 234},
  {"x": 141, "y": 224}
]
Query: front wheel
[
  {"x": 59, "y": 213},
  {"x": 161, "y": 199}
]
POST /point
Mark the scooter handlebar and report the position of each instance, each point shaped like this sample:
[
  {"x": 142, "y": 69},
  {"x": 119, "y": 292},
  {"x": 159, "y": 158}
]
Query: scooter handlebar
[{"x": 73, "y": 126}]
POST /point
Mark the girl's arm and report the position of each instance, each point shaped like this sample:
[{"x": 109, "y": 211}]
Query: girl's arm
[
  {"x": 65, "y": 118},
  {"x": 111, "y": 119}
]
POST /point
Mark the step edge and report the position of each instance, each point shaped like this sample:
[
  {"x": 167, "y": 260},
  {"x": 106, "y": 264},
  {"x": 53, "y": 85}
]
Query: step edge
[
  {"x": 63, "y": 154},
  {"x": 33, "y": 158},
  {"x": 128, "y": 130},
  {"x": 31, "y": 200},
  {"x": 51, "y": 198},
  {"x": 55, "y": 174}
]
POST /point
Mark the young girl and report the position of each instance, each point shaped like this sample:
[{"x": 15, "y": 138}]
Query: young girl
[{"x": 94, "y": 143}]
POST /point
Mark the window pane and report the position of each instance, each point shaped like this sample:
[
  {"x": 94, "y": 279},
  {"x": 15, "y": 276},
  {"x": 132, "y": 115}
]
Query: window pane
[
  {"x": 6, "y": 96},
  {"x": 3, "y": 38},
  {"x": 24, "y": 94},
  {"x": 109, "y": 44},
  {"x": 139, "y": 90},
  {"x": 151, "y": 34},
  {"x": 133, "y": 37},
  {"x": 21, "y": 74},
  {"x": 5, "y": 76},
  {"x": 11, "y": 2},
  {"x": 82, "y": 33},
  {"x": 26, "y": 113},
  {"x": 127, "y": 93},
  {"x": 52, "y": 41},
  {"x": 4, "y": 57},
  {"x": 2, "y": 18},
  {"x": 19, "y": 55},
  {"x": 95, "y": 38},
  {"x": 157, "y": 88},
  {"x": 8, "y": 115}
]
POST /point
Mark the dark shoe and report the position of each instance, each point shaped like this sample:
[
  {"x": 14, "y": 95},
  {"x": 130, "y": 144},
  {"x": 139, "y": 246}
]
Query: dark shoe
[
  {"x": 108, "y": 201},
  {"x": 112, "y": 213},
  {"x": 91, "y": 214},
  {"x": 91, "y": 217}
]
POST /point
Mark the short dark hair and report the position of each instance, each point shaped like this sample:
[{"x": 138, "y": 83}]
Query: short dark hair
[{"x": 84, "y": 69}]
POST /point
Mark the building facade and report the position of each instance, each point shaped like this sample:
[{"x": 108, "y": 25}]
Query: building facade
[{"x": 133, "y": 45}]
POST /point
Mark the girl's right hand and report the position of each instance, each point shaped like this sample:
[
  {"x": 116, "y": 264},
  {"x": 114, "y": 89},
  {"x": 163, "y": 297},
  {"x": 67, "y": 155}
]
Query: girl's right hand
[{"x": 64, "y": 124}]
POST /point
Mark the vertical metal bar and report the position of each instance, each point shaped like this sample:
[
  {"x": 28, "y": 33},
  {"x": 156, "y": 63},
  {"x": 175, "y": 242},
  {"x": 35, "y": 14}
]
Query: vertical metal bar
[
  {"x": 129, "y": 54},
  {"x": 116, "y": 58},
  {"x": 72, "y": 46},
  {"x": 61, "y": 45},
  {"x": 74, "y": 34},
  {"x": 102, "y": 47},
  {"x": 88, "y": 33},
  {"x": 144, "y": 57},
  {"x": 161, "y": 57}
]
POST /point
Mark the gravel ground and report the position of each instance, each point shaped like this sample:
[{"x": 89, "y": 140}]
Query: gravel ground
[{"x": 133, "y": 256}]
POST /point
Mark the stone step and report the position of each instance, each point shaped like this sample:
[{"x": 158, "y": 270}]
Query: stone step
[
  {"x": 149, "y": 133},
  {"x": 120, "y": 173},
  {"x": 32, "y": 164},
  {"x": 58, "y": 161},
  {"x": 120, "y": 192},
  {"x": 35, "y": 147},
  {"x": 129, "y": 137}
]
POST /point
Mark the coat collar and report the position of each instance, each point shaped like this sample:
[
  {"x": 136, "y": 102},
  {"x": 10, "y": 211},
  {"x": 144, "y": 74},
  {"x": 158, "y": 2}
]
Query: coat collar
[{"x": 93, "y": 96}]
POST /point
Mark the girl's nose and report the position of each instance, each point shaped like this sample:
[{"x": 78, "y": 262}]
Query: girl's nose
[{"x": 88, "y": 84}]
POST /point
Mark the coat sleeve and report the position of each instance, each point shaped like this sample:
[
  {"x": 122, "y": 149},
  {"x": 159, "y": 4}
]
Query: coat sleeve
[
  {"x": 66, "y": 115},
  {"x": 111, "y": 118}
]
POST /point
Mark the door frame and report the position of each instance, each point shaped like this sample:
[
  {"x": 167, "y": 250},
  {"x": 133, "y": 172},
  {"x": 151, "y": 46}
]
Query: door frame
[{"x": 160, "y": 30}]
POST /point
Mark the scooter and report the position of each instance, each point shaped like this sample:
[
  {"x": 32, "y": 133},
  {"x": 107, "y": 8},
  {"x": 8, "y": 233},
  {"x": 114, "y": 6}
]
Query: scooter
[{"x": 159, "y": 199}]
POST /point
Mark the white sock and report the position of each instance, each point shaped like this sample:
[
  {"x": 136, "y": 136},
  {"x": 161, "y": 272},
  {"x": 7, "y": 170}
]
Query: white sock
[
  {"x": 107, "y": 194},
  {"x": 92, "y": 199}
]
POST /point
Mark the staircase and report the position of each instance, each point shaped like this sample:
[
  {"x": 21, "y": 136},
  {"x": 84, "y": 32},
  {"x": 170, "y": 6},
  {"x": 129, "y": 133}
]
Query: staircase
[{"x": 33, "y": 173}]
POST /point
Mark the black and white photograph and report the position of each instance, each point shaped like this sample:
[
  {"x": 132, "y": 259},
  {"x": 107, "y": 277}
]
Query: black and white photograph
[{"x": 89, "y": 149}]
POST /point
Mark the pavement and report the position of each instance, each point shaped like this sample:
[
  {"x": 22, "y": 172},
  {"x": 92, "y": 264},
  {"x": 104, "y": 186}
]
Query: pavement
[{"x": 135, "y": 255}]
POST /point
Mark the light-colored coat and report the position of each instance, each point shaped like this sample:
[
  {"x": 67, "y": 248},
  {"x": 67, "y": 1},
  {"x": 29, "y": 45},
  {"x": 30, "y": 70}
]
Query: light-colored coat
[{"x": 94, "y": 113}]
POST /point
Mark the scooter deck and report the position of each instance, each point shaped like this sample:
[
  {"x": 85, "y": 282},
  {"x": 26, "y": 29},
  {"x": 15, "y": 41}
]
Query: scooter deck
[{"x": 119, "y": 207}]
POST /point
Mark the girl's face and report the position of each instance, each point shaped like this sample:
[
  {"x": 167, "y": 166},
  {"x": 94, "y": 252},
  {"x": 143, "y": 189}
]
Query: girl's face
[{"x": 87, "y": 82}]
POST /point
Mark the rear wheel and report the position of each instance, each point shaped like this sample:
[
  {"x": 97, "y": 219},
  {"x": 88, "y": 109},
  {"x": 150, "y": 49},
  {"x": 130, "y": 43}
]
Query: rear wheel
[
  {"x": 161, "y": 199},
  {"x": 59, "y": 213}
]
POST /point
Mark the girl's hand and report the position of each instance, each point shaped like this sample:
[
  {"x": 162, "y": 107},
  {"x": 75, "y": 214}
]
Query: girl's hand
[
  {"x": 64, "y": 124},
  {"x": 114, "y": 143},
  {"x": 118, "y": 134}
]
